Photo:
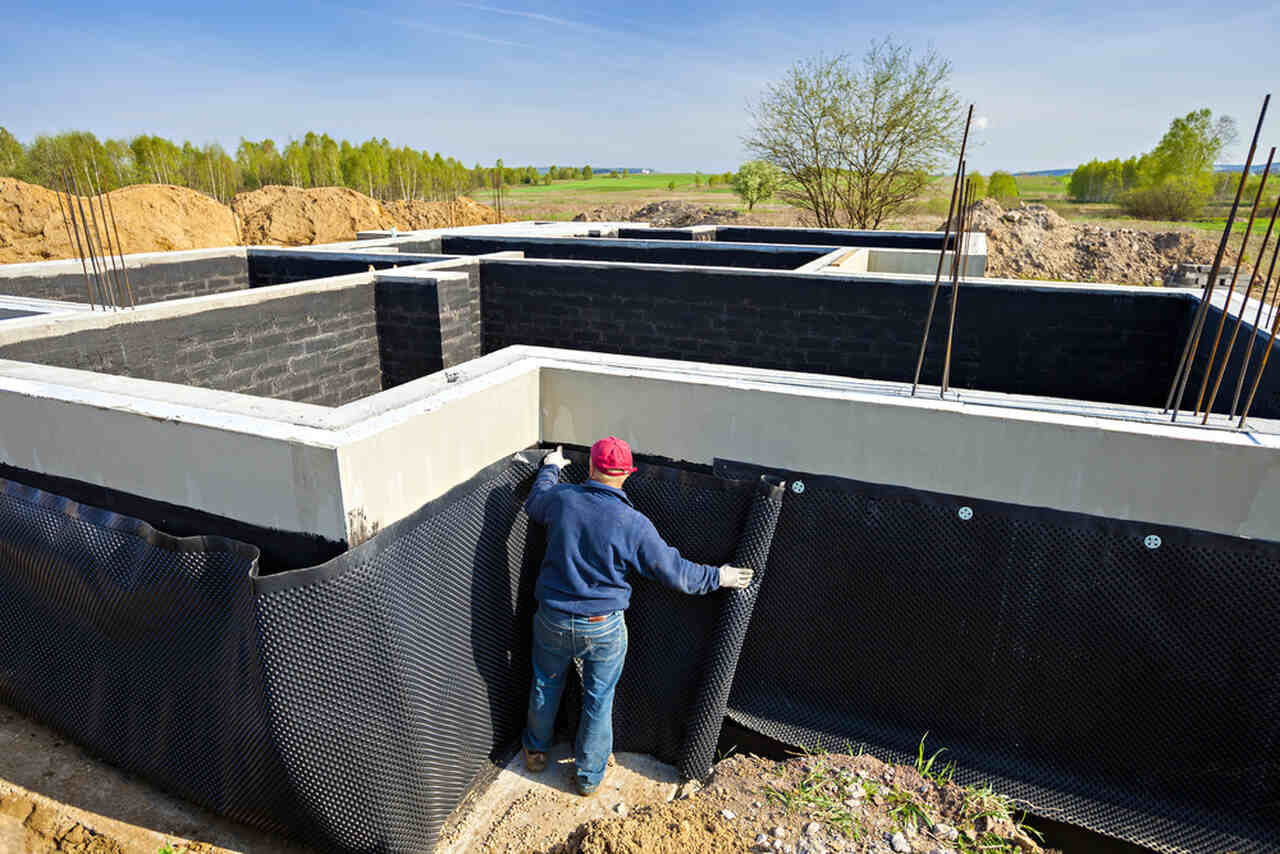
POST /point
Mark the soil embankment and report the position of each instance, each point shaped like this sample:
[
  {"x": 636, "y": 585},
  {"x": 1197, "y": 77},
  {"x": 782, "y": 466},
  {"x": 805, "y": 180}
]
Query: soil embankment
[
  {"x": 1034, "y": 242},
  {"x": 162, "y": 217},
  {"x": 149, "y": 217}
]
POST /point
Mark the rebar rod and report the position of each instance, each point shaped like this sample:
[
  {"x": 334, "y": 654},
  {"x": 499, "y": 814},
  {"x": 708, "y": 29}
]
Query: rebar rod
[
  {"x": 104, "y": 236},
  {"x": 124, "y": 270},
  {"x": 1179, "y": 385},
  {"x": 120, "y": 246},
  {"x": 74, "y": 244},
  {"x": 1257, "y": 379},
  {"x": 103, "y": 292},
  {"x": 1262, "y": 301},
  {"x": 942, "y": 254},
  {"x": 957, "y": 266},
  {"x": 1235, "y": 276}
]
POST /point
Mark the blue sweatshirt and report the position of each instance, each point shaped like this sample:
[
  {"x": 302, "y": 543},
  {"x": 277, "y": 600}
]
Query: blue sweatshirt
[{"x": 594, "y": 537}]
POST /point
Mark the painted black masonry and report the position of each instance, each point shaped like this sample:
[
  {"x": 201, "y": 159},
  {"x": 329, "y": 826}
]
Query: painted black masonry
[
  {"x": 1267, "y": 403},
  {"x": 829, "y": 237},
  {"x": 153, "y": 281},
  {"x": 278, "y": 267},
  {"x": 319, "y": 347},
  {"x": 701, "y": 253},
  {"x": 1093, "y": 345},
  {"x": 426, "y": 326}
]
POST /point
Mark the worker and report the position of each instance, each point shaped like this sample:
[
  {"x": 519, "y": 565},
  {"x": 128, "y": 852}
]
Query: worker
[{"x": 595, "y": 536}]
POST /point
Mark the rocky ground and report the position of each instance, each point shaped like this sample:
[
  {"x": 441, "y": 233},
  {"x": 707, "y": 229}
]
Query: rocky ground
[
  {"x": 1034, "y": 242},
  {"x": 815, "y": 804},
  {"x": 671, "y": 214}
]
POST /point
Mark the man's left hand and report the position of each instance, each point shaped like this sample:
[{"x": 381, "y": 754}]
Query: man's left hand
[
  {"x": 736, "y": 577},
  {"x": 556, "y": 458}
]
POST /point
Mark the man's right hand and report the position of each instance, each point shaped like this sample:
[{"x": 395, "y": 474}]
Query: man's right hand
[
  {"x": 556, "y": 458},
  {"x": 736, "y": 577}
]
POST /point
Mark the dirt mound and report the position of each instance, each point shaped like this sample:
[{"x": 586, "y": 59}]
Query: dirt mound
[
  {"x": 819, "y": 804},
  {"x": 669, "y": 214},
  {"x": 414, "y": 215},
  {"x": 1034, "y": 242},
  {"x": 150, "y": 218},
  {"x": 294, "y": 216}
]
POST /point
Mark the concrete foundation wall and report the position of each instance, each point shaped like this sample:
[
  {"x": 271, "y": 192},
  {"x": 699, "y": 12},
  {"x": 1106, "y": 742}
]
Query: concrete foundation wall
[
  {"x": 319, "y": 348},
  {"x": 711, "y": 254},
  {"x": 1100, "y": 345},
  {"x": 1184, "y": 477},
  {"x": 153, "y": 277}
]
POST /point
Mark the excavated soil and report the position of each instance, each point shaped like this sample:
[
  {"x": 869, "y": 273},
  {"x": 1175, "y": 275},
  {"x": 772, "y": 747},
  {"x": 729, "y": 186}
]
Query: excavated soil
[
  {"x": 291, "y": 216},
  {"x": 670, "y": 214},
  {"x": 150, "y": 218},
  {"x": 821, "y": 804},
  {"x": 161, "y": 217},
  {"x": 414, "y": 215},
  {"x": 1034, "y": 242}
]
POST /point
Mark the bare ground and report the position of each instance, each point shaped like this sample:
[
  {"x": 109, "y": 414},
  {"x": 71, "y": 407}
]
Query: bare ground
[{"x": 56, "y": 797}]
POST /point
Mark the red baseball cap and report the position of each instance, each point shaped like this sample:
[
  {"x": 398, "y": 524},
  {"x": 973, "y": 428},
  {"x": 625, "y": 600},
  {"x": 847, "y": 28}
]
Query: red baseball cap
[{"x": 612, "y": 456}]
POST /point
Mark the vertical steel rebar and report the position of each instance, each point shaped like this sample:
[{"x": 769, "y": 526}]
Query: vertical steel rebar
[
  {"x": 103, "y": 292},
  {"x": 942, "y": 254},
  {"x": 1179, "y": 386},
  {"x": 104, "y": 235},
  {"x": 124, "y": 269},
  {"x": 1262, "y": 301},
  {"x": 1235, "y": 276},
  {"x": 1262, "y": 366},
  {"x": 66, "y": 223},
  {"x": 957, "y": 267},
  {"x": 120, "y": 246}
]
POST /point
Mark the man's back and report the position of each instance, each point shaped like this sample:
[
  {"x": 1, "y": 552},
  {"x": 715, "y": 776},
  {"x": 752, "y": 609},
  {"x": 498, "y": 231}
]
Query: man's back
[{"x": 594, "y": 538}]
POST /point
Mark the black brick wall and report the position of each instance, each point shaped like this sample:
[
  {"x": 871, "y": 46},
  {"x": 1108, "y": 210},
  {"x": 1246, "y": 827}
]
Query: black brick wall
[
  {"x": 828, "y": 237},
  {"x": 641, "y": 251},
  {"x": 318, "y": 347},
  {"x": 1112, "y": 347},
  {"x": 1267, "y": 402},
  {"x": 426, "y": 326},
  {"x": 151, "y": 282}
]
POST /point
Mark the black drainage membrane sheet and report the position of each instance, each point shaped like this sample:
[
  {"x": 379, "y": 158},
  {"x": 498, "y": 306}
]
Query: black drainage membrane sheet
[
  {"x": 1128, "y": 689},
  {"x": 350, "y": 704},
  {"x": 1119, "y": 676}
]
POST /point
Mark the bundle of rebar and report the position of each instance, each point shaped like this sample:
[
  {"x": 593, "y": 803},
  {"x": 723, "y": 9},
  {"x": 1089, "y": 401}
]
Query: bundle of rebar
[
  {"x": 92, "y": 236},
  {"x": 1207, "y": 396},
  {"x": 957, "y": 187}
]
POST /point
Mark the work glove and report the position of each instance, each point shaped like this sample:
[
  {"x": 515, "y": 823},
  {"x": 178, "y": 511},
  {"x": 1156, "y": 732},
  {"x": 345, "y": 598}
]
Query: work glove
[
  {"x": 556, "y": 458},
  {"x": 736, "y": 577}
]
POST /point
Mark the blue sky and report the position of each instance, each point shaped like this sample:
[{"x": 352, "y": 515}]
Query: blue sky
[{"x": 662, "y": 85}]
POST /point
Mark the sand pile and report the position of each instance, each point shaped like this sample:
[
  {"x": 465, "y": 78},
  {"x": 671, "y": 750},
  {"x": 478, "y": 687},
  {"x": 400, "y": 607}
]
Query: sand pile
[
  {"x": 413, "y": 215},
  {"x": 1034, "y": 242},
  {"x": 150, "y": 218},
  {"x": 293, "y": 216}
]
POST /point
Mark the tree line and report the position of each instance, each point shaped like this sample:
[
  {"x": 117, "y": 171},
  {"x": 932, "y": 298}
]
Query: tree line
[
  {"x": 374, "y": 167},
  {"x": 1174, "y": 181}
]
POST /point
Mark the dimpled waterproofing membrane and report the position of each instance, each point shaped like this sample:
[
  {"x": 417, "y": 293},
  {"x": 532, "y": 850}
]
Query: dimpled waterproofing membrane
[{"x": 1131, "y": 690}]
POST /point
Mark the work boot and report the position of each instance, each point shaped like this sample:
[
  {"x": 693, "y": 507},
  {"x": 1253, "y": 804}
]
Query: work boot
[
  {"x": 535, "y": 762},
  {"x": 588, "y": 789}
]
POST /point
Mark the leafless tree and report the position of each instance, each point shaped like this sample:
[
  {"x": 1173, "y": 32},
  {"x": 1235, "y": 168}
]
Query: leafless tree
[{"x": 857, "y": 144}]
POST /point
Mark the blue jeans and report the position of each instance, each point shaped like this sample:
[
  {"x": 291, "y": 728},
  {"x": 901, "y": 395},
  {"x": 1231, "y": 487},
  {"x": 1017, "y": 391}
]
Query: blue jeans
[{"x": 558, "y": 638}]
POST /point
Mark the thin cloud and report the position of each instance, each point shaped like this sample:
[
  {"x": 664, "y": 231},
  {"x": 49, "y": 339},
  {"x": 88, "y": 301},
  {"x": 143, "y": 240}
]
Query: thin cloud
[
  {"x": 427, "y": 28},
  {"x": 534, "y": 16}
]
